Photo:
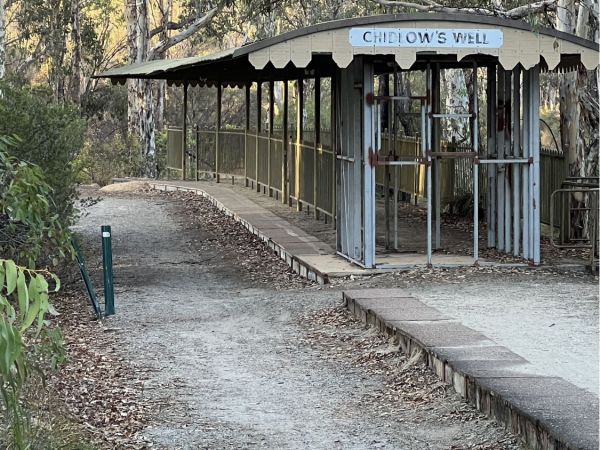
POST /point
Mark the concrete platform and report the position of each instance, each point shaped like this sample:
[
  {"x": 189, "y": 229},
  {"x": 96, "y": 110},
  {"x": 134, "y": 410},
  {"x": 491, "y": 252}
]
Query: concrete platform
[
  {"x": 306, "y": 254},
  {"x": 547, "y": 412}
]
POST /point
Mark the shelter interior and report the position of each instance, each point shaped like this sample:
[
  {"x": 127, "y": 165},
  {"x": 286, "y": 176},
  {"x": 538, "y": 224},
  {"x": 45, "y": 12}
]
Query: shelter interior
[{"x": 356, "y": 130}]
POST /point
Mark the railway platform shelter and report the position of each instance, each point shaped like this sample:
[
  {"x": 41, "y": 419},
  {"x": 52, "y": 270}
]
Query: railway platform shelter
[{"x": 364, "y": 150}]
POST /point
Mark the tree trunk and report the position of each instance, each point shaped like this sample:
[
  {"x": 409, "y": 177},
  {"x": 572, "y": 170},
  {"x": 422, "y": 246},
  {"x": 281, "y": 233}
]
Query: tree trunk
[
  {"x": 2, "y": 42},
  {"x": 147, "y": 135},
  {"x": 569, "y": 105},
  {"x": 133, "y": 124},
  {"x": 579, "y": 113},
  {"x": 403, "y": 89},
  {"x": 140, "y": 107},
  {"x": 161, "y": 92},
  {"x": 456, "y": 101},
  {"x": 76, "y": 77},
  {"x": 140, "y": 99}
]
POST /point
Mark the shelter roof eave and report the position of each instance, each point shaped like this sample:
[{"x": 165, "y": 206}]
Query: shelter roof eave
[
  {"x": 161, "y": 68},
  {"x": 323, "y": 47}
]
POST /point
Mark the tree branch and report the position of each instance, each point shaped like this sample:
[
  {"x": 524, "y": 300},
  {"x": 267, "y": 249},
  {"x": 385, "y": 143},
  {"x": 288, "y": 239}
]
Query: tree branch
[
  {"x": 166, "y": 44},
  {"x": 172, "y": 26},
  {"x": 515, "y": 13}
]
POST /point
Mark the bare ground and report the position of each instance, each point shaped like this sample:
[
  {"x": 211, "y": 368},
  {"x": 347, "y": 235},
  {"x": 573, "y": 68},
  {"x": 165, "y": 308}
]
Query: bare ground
[{"x": 234, "y": 351}]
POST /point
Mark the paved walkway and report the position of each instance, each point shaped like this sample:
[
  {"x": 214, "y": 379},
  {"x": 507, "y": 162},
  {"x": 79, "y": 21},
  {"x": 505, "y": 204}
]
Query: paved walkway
[
  {"x": 308, "y": 255},
  {"x": 548, "y": 412}
]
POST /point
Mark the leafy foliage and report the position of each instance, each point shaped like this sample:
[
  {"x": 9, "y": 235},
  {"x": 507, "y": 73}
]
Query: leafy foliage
[
  {"x": 30, "y": 228},
  {"x": 28, "y": 347},
  {"x": 51, "y": 136},
  {"x": 103, "y": 159}
]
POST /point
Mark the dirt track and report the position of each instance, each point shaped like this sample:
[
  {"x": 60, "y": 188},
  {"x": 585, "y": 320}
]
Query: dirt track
[{"x": 235, "y": 358}]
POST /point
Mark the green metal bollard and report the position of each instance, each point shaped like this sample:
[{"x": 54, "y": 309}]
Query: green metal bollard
[{"x": 109, "y": 293}]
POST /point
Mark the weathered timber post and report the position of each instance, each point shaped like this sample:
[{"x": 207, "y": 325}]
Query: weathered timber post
[
  {"x": 184, "y": 131},
  {"x": 299, "y": 129},
  {"x": 258, "y": 129},
  {"x": 217, "y": 137},
  {"x": 246, "y": 129},
  {"x": 316, "y": 143},
  {"x": 284, "y": 165},
  {"x": 271, "y": 117}
]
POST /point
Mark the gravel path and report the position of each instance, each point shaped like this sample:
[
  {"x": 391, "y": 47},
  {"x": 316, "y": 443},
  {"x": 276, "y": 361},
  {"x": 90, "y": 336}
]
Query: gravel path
[
  {"x": 240, "y": 357},
  {"x": 550, "y": 320},
  {"x": 549, "y": 317}
]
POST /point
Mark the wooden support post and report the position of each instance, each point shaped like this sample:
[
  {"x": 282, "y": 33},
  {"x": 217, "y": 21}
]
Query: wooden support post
[
  {"x": 291, "y": 144},
  {"x": 217, "y": 137},
  {"x": 299, "y": 128},
  {"x": 271, "y": 116},
  {"x": 258, "y": 129},
  {"x": 316, "y": 144},
  {"x": 246, "y": 130},
  {"x": 284, "y": 137},
  {"x": 184, "y": 131}
]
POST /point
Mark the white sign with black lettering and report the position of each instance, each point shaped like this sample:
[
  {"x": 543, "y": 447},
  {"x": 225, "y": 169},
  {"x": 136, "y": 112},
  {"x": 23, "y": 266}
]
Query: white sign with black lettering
[{"x": 426, "y": 37}]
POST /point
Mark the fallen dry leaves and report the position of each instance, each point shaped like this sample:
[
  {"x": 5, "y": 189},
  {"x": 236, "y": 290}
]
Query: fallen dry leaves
[
  {"x": 100, "y": 390},
  {"x": 259, "y": 263},
  {"x": 410, "y": 390}
]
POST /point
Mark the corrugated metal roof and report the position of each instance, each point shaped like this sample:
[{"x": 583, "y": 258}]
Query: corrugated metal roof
[
  {"x": 152, "y": 69},
  {"x": 230, "y": 65},
  {"x": 416, "y": 17}
]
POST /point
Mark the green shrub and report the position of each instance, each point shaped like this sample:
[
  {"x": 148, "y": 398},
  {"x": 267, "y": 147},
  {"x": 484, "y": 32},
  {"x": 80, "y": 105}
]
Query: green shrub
[
  {"x": 51, "y": 137},
  {"x": 103, "y": 159},
  {"x": 30, "y": 227},
  {"x": 29, "y": 349},
  {"x": 161, "y": 153}
]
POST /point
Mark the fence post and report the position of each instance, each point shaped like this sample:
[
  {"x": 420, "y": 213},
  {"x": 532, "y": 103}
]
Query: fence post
[
  {"x": 334, "y": 144},
  {"x": 299, "y": 129},
  {"x": 270, "y": 134},
  {"x": 109, "y": 295},
  {"x": 258, "y": 129},
  {"x": 317, "y": 140},
  {"x": 184, "y": 131},
  {"x": 284, "y": 149},
  {"x": 197, "y": 152},
  {"x": 217, "y": 139},
  {"x": 246, "y": 134}
]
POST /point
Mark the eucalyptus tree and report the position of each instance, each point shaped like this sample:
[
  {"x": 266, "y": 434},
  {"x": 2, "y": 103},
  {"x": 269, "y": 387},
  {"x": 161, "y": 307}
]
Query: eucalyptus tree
[{"x": 2, "y": 41}]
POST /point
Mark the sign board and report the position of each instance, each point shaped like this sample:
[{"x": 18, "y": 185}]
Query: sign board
[{"x": 426, "y": 37}]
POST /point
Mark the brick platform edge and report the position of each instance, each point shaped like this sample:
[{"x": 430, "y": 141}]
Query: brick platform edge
[
  {"x": 546, "y": 412},
  {"x": 296, "y": 262}
]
